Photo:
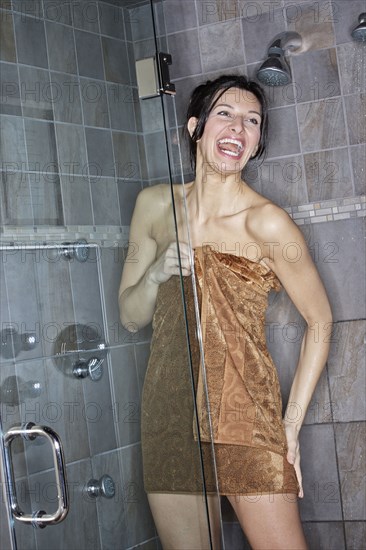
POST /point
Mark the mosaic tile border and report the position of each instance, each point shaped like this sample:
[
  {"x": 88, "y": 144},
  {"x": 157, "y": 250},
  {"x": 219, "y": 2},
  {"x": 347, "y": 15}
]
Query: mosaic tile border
[
  {"x": 101, "y": 235},
  {"x": 329, "y": 210},
  {"x": 108, "y": 236}
]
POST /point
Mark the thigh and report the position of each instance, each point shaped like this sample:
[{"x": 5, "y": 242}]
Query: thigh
[
  {"x": 181, "y": 521},
  {"x": 270, "y": 522}
]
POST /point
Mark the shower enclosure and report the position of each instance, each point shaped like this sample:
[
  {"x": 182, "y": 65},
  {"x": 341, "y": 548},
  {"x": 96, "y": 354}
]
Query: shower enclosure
[{"x": 77, "y": 145}]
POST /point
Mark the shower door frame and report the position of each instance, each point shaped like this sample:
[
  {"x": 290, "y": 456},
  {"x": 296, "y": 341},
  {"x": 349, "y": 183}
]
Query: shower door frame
[
  {"x": 167, "y": 129},
  {"x": 171, "y": 123}
]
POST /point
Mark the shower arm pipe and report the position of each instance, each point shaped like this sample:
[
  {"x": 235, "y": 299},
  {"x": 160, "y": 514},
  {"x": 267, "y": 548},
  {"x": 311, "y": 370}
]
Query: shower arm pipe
[
  {"x": 41, "y": 246},
  {"x": 78, "y": 250},
  {"x": 287, "y": 40}
]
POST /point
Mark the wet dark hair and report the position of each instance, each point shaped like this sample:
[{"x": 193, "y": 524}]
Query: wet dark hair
[{"x": 203, "y": 100}]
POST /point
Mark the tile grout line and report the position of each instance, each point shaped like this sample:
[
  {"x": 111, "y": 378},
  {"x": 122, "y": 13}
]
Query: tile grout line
[
  {"x": 344, "y": 110},
  {"x": 109, "y": 115},
  {"x": 23, "y": 121},
  {"x": 83, "y": 119},
  {"x": 54, "y": 126}
]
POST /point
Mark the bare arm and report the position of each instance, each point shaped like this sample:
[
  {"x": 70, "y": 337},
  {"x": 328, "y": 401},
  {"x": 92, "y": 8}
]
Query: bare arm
[
  {"x": 144, "y": 271},
  {"x": 292, "y": 263}
]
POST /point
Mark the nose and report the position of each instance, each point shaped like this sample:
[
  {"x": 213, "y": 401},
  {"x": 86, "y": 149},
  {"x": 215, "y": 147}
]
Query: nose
[{"x": 237, "y": 124}]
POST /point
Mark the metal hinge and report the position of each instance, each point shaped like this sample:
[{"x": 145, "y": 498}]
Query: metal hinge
[{"x": 153, "y": 76}]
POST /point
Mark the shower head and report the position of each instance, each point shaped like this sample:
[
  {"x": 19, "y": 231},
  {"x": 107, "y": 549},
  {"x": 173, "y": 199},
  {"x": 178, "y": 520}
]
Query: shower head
[
  {"x": 359, "y": 32},
  {"x": 275, "y": 71}
]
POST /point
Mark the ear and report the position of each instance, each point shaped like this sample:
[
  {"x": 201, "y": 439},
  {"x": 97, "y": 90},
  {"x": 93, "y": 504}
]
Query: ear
[{"x": 191, "y": 125}]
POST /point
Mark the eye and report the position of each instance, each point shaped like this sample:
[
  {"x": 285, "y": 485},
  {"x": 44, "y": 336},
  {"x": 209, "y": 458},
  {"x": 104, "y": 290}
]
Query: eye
[
  {"x": 224, "y": 113},
  {"x": 254, "y": 121}
]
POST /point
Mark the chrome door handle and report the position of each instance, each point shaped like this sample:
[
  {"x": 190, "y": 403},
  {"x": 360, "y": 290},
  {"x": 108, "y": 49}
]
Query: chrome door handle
[{"x": 39, "y": 518}]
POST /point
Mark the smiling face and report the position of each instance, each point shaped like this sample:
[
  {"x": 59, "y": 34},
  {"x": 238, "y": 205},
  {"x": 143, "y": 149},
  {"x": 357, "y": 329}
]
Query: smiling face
[{"x": 232, "y": 131}]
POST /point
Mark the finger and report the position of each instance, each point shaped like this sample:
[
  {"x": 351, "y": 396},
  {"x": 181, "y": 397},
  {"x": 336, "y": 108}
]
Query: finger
[
  {"x": 183, "y": 252},
  {"x": 172, "y": 266},
  {"x": 298, "y": 474},
  {"x": 292, "y": 449},
  {"x": 293, "y": 457},
  {"x": 177, "y": 271},
  {"x": 172, "y": 261},
  {"x": 184, "y": 248},
  {"x": 299, "y": 479},
  {"x": 185, "y": 272},
  {"x": 172, "y": 251}
]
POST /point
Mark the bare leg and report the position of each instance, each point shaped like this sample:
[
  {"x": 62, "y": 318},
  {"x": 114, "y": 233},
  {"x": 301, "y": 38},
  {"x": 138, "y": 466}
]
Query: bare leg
[
  {"x": 181, "y": 521},
  {"x": 270, "y": 522}
]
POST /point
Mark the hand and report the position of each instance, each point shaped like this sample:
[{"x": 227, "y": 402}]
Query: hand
[
  {"x": 293, "y": 453},
  {"x": 168, "y": 263}
]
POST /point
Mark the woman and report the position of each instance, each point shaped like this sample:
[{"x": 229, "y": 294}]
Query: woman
[{"x": 257, "y": 454}]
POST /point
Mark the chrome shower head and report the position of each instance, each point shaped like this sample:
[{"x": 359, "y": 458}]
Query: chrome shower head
[
  {"x": 275, "y": 71},
  {"x": 359, "y": 32}
]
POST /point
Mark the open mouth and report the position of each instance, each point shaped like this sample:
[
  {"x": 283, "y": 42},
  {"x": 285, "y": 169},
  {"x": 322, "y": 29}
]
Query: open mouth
[{"x": 231, "y": 147}]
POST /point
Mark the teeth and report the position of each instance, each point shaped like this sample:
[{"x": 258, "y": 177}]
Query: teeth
[
  {"x": 233, "y": 141},
  {"x": 231, "y": 153}
]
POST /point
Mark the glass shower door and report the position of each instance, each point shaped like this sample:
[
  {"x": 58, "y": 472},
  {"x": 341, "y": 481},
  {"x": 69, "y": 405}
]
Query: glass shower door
[
  {"x": 71, "y": 378},
  {"x": 56, "y": 401},
  {"x": 203, "y": 457}
]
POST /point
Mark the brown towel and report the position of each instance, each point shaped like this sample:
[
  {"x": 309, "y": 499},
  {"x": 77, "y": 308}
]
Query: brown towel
[
  {"x": 243, "y": 389},
  {"x": 242, "y": 384}
]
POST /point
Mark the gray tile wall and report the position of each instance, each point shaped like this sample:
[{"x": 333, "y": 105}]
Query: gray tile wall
[
  {"x": 317, "y": 119},
  {"x": 67, "y": 106},
  {"x": 98, "y": 422},
  {"x": 74, "y": 113},
  {"x": 315, "y": 168}
]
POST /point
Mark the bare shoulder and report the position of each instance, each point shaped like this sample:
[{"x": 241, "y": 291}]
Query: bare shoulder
[
  {"x": 159, "y": 192},
  {"x": 151, "y": 201},
  {"x": 157, "y": 199},
  {"x": 267, "y": 220},
  {"x": 277, "y": 234}
]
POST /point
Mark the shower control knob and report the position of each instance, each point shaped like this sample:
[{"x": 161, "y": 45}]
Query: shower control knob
[
  {"x": 78, "y": 250},
  {"x": 104, "y": 487},
  {"x": 92, "y": 368},
  {"x": 81, "y": 251}
]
